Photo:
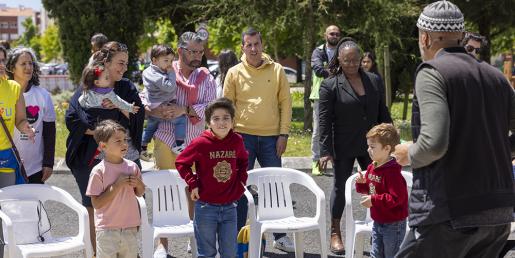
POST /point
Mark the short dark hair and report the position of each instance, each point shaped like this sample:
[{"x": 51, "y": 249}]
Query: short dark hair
[
  {"x": 226, "y": 60},
  {"x": 334, "y": 63},
  {"x": 474, "y": 36},
  {"x": 2, "y": 49},
  {"x": 98, "y": 40},
  {"x": 223, "y": 103},
  {"x": 160, "y": 50},
  {"x": 5, "y": 44},
  {"x": 106, "y": 129},
  {"x": 108, "y": 51},
  {"x": 250, "y": 32}
]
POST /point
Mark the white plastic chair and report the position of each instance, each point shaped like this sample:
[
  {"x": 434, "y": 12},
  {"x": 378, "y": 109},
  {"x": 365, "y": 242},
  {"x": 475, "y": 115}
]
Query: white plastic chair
[
  {"x": 170, "y": 217},
  {"x": 275, "y": 211},
  {"x": 356, "y": 231},
  {"x": 50, "y": 246}
]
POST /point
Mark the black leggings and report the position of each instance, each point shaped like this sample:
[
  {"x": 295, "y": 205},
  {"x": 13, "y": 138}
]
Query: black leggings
[{"x": 342, "y": 171}]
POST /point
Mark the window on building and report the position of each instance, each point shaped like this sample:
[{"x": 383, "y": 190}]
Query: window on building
[
  {"x": 4, "y": 25},
  {"x": 13, "y": 25}
]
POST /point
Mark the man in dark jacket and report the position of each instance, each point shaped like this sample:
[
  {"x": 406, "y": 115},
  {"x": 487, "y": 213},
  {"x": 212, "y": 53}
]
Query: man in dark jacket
[
  {"x": 462, "y": 197},
  {"x": 320, "y": 59}
]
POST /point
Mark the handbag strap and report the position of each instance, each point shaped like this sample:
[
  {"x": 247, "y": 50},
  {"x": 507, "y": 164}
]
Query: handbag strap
[{"x": 15, "y": 150}]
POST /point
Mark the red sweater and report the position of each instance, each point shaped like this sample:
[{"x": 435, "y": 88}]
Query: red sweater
[
  {"x": 220, "y": 165},
  {"x": 388, "y": 190}
]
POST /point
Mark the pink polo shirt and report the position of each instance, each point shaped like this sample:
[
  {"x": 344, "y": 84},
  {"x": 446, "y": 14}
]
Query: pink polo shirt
[{"x": 122, "y": 211}]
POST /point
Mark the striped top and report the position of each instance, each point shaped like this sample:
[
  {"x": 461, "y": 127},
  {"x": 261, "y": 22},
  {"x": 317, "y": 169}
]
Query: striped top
[{"x": 206, "y": 94}]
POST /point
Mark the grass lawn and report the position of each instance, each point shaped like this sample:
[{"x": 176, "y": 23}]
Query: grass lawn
[{"x": 299, "y": 142}]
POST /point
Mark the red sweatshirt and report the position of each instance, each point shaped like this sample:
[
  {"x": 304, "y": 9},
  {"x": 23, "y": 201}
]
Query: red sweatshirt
[
  {"x": 220, "y": 165},
  {"x": 388, "y": 190}
]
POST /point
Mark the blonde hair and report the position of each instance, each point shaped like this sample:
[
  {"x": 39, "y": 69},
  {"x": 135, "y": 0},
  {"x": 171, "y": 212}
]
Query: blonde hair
[{"x": 386, "y": 134}]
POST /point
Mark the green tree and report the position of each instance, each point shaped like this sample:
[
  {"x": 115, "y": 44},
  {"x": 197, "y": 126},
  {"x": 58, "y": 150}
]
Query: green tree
[
  {"x": 121, "y": 20},
  {"x": 50, "y": 44},
  {"x": 30, "y": 37}
]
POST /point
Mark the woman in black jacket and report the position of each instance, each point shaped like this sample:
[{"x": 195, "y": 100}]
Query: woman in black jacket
[
  {"x": 351, "y": 103},
  {"x": 81, "y": 152}
]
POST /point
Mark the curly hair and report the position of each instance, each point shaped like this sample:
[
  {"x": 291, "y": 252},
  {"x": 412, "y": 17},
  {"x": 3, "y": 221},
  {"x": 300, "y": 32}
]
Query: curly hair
[
  {"x": 108, "y": 51},
  {"x": 334, "y": 64},
  {"x": 13, "y": 57}
]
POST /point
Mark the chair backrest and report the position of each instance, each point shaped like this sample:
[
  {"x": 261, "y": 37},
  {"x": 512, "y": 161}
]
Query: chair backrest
[
  {"x": 169, "y": 200},
  {"x": 273, "y": 184},
  {"x": 350, "y": 187}
]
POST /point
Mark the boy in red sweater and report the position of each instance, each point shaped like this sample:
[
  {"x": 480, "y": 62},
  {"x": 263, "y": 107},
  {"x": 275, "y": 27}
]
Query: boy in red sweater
[
  {"x": 221, "y": 164},
  {"x": 385, "y": 192}
]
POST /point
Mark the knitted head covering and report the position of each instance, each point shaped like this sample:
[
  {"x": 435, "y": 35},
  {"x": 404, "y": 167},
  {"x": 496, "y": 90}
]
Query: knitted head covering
[{"x": 441, "y": 16}]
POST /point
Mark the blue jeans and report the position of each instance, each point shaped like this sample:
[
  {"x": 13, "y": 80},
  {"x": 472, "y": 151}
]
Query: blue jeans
[
  {"x": 212, "y": 221},
  {"x": 179, "y": 124},
  {"x": 387, "y": 238},
  {"x": 262, "y": 148}
]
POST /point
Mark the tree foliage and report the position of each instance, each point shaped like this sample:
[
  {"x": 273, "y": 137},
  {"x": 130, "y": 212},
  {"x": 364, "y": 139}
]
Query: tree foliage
[
  {"x": 30, "y": 38},
  {"x": 78, "y": 20},
  {"x": 50, "y": 44}
]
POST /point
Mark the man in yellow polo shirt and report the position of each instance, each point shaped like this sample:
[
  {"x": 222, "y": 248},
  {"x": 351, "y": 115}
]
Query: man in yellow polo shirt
[{"x": 261, "y": 94}]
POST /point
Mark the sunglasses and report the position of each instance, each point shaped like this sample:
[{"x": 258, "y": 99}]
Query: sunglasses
[{"x": 471, "y": 49}]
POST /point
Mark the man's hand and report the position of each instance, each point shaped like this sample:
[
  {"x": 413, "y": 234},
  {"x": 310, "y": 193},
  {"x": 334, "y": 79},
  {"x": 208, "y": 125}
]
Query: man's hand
[
  {"x": 401, "y": 153},
  {"x": 281, "y": 145},
  {"x": 366, "y": 201},
  {"x": 177, "y": 110},
  {"x": 360, "y": 179},
  {"x": 163, "y": 111},
  {"x": 324, "y": 160},
  {"x": 47, "y": 172},
  {"x": 194, "y": 194}
]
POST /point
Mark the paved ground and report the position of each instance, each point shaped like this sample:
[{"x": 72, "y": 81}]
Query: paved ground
[{"x": 63, "y": 219}]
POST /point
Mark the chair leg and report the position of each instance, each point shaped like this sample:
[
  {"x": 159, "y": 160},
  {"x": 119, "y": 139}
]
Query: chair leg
[
  {"x": 147, "y": 244},
  {"x": 255, "y": 241},
  {"x": 323, "y": 242},
  {"x": 88, "y": 251},
  {"x": 299, "y": 244},
  {"x": 193, "y": 244},
  {"x": 359, "y": 245}
]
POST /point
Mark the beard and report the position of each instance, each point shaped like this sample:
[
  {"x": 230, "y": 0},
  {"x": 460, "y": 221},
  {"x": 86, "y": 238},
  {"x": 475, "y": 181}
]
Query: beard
[
  {"x": 333, "y": 41},
  {"x": 194, "y": 64}
]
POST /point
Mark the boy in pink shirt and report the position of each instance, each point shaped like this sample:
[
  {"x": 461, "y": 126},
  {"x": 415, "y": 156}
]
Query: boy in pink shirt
[{"x": 113, "y": 186}]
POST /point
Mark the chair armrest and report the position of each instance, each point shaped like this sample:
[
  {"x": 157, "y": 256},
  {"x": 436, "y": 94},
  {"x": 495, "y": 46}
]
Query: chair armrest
[
  {"x": 143, "y": 211},
  {"x": 11, "y": 247},
  {"x": 252, "y": 205}
]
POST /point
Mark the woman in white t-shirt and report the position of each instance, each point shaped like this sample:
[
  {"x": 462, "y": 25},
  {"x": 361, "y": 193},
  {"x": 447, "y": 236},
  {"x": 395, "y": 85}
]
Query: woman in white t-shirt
[{"x": 37, "y": 155}]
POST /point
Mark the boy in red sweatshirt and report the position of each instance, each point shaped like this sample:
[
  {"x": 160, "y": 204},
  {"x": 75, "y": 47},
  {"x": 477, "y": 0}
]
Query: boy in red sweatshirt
[
  {"x": 221, "y": 163},
  {"x": 385, "y": 192}
]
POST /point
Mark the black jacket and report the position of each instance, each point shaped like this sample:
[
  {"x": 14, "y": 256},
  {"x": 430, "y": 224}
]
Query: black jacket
[
  {"x": 344, "y": 120},
  {"x": 81, "y": 147},
  {"x": 318, "y": 58},
  {"x": 475, "y": 174}
]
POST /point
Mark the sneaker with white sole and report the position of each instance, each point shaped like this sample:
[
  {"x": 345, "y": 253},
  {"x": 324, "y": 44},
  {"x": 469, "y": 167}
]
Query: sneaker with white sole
[
  {"x": 284, "y": 244},
  {"x": 178, "y": 149},
  {"x": 160, "y": 252}
]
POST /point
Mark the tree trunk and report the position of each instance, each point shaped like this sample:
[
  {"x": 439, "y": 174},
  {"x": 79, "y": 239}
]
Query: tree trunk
[
  {"x": 405, "y": 105},
  {"x": 308, "y": 47},
  {"x": 484, "y": 26}
]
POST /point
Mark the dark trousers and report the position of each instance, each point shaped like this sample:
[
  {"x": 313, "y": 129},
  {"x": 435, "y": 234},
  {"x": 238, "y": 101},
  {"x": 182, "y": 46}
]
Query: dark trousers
[
  {"x": 342, "y": 171},
  {"x": 441, "y": 240},
  {"x": 36, "y": 178}
]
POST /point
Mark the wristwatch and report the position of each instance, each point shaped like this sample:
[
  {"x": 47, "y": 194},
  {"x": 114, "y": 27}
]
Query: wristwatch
[{"x": 284, "y": 135}]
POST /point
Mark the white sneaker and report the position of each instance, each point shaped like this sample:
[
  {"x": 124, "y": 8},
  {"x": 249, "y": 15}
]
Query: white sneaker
[
  {"x": 160, "y": 252},
  {"x": 179, "y": 149},
  {"x": 284, "y": 244}
]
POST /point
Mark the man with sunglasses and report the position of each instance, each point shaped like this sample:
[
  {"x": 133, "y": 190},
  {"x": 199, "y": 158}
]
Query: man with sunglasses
[
  {"x": 473, "y": 43},
  {"x": 320, "y": 59}
]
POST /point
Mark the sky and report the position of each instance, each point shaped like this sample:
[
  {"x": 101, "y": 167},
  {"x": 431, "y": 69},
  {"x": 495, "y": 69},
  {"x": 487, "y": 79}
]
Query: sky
[{"x": 34, "y": 4}]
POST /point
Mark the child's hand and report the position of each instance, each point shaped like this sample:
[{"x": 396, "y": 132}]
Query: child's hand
[
  {"x": 121, "y": 181},
  {"x": 366, "y": 201},
  {"x": 29, "y": 131},
  {"x": 194, "y": 194},
  {"x": 360, "y": 179},
  {"x": 135, "y": 109}
]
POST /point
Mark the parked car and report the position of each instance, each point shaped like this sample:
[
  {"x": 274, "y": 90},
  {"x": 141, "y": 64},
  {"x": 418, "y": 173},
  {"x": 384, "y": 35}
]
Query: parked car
[
  {"x": 291, "y": 74},
  {"x": 61, "y": 68},
  {"x": 212, "y": 66},
  {"x": 47, "y": 69}
]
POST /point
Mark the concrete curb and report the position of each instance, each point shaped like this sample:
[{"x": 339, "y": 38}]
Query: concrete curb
[{"x": 299, "y": 163}]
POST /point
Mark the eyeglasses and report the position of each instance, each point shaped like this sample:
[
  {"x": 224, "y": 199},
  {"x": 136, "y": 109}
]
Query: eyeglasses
[
  {"x": 337, "y": 34},
  {"x": 194, "y": 52},
  {"x": 351, "y": 62},
  {"x": 471, "y": 49}
]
